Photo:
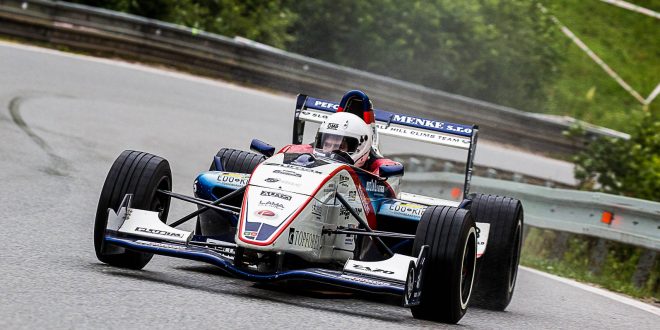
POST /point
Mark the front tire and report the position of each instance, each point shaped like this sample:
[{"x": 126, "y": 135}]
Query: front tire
[
  {"x": 140, "y": 174},
  {"x": 498, "y": 267},
  {"x": 448, "y": 273}
]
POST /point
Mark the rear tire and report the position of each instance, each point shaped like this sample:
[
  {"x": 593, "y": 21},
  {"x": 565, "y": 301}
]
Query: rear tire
[
  {"x": 448, "y": 273},
  {"x": 140, "y": 174},
  {"x": 237, "y": 161},
  {"x": 497, "y": 269},
  {"x": 228, "y": 160}
]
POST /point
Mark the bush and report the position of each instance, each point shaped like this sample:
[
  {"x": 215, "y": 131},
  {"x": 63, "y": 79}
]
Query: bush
[{"x": 626, "y": 167}]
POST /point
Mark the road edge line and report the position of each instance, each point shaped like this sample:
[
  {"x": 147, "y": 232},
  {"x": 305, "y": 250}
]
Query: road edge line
[{"x": 602, "y": 292}]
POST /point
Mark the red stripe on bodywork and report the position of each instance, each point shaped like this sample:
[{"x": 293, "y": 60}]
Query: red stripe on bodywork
[{"x": 364, "y": 198}]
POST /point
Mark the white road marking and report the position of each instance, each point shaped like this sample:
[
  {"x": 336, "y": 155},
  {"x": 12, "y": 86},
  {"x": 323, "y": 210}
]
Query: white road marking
[{"x": 602, "y": 292}]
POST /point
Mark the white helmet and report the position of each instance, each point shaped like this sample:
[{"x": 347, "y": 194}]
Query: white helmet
[{"x": 346, "y": 132}]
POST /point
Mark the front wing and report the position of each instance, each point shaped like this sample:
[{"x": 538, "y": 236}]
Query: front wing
[{"x": 142, "y": 231}]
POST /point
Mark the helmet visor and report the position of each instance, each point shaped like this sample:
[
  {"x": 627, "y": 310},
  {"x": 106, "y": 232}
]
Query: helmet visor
[{"x": 327, "y": 143}]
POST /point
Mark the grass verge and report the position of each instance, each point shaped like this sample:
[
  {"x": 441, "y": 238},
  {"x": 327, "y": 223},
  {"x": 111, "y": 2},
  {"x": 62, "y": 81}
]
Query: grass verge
[{"x": 614, "y": 266}]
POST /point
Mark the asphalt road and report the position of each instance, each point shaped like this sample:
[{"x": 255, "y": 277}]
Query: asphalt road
[{"x": 63, "y": 120}]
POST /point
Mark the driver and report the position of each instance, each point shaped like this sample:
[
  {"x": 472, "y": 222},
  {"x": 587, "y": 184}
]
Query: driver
[
  {"x": 345, "y": 133},
  {"x": 351, "y": 130}
]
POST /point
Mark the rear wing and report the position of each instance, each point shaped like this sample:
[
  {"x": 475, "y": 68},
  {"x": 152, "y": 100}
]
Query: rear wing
[{"x": 395, "y": 124}]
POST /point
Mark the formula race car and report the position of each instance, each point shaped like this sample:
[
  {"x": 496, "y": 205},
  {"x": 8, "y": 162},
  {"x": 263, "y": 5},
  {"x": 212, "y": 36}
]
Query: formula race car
[{"x": 297, "y": 215}]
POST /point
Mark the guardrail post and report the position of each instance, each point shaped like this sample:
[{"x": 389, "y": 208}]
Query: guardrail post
[
  {"x": 448, "y": 166},
  {"x": 598, "y": 256},
  {"x": 560, "y": 245},
  {"x": 645, "y": 265},
  {"x": 525, "y": 233}
]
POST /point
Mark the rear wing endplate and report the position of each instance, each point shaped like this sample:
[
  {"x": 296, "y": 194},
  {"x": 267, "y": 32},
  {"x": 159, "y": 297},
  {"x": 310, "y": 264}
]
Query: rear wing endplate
[{"x": 395, "y": 124}]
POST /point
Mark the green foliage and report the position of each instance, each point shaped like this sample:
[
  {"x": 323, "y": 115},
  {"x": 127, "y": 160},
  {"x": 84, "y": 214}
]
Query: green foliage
[
  {"x": 625, "y": 41},
  {"x": 261, "y": 20},
  {"x": 494, "y": 50},
  {"x": 616, "y": 272},
  {"x": 627, "y": 167}
]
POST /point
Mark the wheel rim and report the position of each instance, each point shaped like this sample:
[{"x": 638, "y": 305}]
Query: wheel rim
[
  {"x": 515, "y": 256},
  {"x": 467, "y": 267}
]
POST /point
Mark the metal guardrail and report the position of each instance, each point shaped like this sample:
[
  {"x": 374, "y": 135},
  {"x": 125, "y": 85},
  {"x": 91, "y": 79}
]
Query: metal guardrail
[
  {"x": 102, "y": 31},
  {"x": 617, "y": 218}
]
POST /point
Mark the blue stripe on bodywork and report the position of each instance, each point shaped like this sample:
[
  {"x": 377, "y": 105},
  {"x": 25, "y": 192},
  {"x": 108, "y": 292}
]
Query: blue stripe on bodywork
[{"x": 265, "y": 232}]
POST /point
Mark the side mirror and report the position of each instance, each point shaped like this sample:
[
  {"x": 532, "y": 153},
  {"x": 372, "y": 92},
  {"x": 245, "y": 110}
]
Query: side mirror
[
  {"x": 389, "y": 170},
  {"x": 262, "y": 147}
]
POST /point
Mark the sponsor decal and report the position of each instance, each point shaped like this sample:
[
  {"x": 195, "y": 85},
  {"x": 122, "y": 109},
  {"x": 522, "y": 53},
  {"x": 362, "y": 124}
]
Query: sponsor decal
[
  {"x": 295, "y": 167},
  {"x": 321, "y": 116},
  {"x": 283, "y": 182},
  {"x": 346, "y": 214},
  {"x": 333, "y": 126},
  {"x": 346, "y": 125},
  {"x": 352, "y": 195},
  {"x": 304, "y": 239},
  {"x": 272, "y": 204},
  {"x": 157, "y": 232},
  {"x": 316, "y": 208},
  {"x": 233, "y": 179},
  {"x": 343, "y": 181},
  {"x": 426, "y": 135},
  {"x": 364, "y": 280},
  {"x": 408, "y": 209},
  {"x": 373, "y": 186},
  {"x": 161, "y": 245},
  {"x": 276, "y": 195},
  {"x": 430, "y": 123},
  {"x": 326, "y": 105},
  {"x": 250, "y": 234},
  {"x": 349, "y": 238},
  {"x": 373, "y": 270},
  {"x": 285, "y": 172},
  {"x": 222, "y": 249},
  {"x": 365, "y": 203},
  {"x": 329, "y": 187},
  {"x": 266, "y": 213}
]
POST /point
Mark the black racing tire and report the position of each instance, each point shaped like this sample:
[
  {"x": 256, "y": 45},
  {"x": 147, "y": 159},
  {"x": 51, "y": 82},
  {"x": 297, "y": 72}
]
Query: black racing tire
[
  {"x": 448, "y": 273},
  {"x": 237, "y": 161},
  {"x": 497, "y": 269},
  {"x": 232, "y": 160},
  {"x": 140, "y": 174}
]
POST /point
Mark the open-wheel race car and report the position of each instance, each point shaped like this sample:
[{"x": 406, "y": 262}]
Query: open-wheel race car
[{"x": 306, "y": 214}]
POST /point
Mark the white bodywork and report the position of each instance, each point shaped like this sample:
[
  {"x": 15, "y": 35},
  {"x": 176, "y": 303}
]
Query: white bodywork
[
  {"x": 287, "y": 207},
  {"x": 144, "y": 223}
]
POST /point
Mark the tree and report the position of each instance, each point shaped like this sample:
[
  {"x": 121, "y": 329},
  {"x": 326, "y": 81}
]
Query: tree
[
  {"x": 265, "y": 21},
  {"x": 495, "y": 50}
]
